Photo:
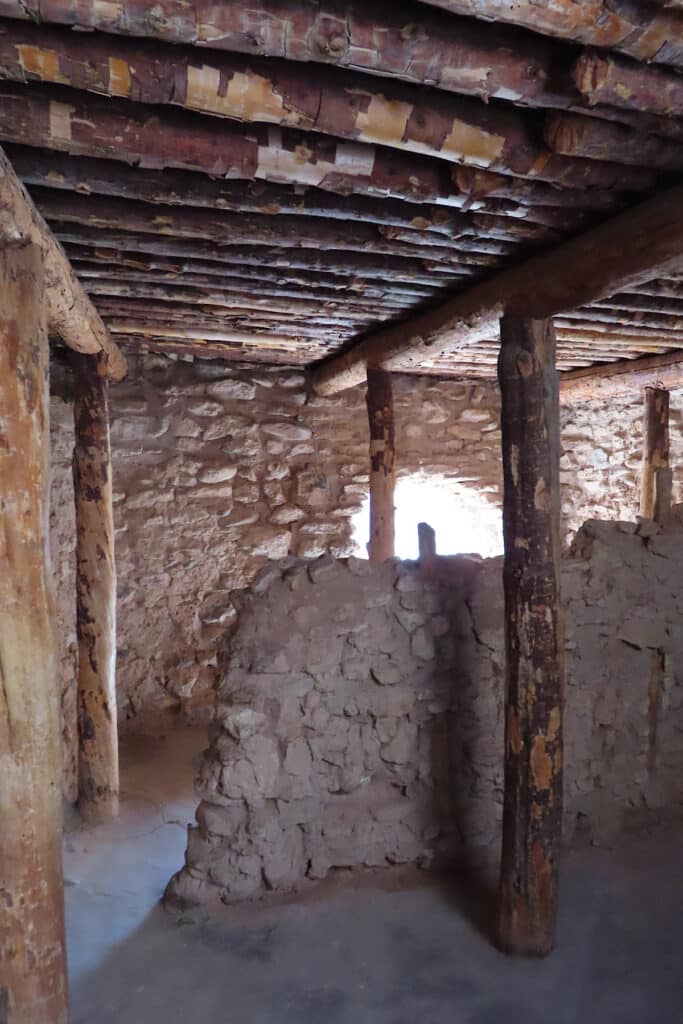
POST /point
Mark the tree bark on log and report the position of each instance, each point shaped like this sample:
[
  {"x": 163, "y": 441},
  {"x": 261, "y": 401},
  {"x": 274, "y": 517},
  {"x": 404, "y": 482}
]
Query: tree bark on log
[
  {"x": 164, "y": 137},
  {"x": 532, "y": 813},
  {"x": 69, "y": 311},
  {"x": 631, "y": 26},
  {"x": 33, "y": 986},
  {"x": 380, "y": 403},
  {"x": 581, "y": 137},
  {"x": 603, "y": 78},
  {"x": 634, "y": 246},
  {"x": 655, "y": 446},
  {"x": 98, "y": 761}
]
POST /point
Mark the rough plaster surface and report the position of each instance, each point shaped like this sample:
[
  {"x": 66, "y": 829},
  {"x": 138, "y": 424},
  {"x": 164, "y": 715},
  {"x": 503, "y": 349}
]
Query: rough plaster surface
[
  {"x": 360, "y": 712},
  {"x": 218, "y": 469}
]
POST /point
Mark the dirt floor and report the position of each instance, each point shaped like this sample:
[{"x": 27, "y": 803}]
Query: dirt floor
[{"x": 354, "y": 954}]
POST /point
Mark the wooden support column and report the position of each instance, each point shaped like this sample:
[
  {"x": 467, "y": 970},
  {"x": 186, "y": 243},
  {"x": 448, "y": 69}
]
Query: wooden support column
[
  {"x": 532, "y": 816},
  {"x": 32, "y": 952},
  {"x": 98, "y": 762},
  {"x": 655, "y": 449},
  {"x": 380, "y": 403}
]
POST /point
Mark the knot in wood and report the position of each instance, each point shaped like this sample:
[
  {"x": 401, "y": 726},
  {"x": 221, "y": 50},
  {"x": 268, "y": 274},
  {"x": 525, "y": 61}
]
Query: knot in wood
[{"x": 525, "y": 363}]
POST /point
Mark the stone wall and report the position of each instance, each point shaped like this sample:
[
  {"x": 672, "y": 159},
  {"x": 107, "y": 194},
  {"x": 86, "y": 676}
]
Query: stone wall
[
  {"x": 218, "y": 469},
  {"x": 360, "y": 713}
]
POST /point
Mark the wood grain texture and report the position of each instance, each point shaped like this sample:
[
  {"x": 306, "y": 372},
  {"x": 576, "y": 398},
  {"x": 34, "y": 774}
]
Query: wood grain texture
[
  {"x": 532, "y": 810},
  {"x": 33, "y": 986}
]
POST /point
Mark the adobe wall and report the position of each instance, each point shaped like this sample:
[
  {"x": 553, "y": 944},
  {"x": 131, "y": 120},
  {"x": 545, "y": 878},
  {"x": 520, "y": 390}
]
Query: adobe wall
[{"x": 360, "y": 712}]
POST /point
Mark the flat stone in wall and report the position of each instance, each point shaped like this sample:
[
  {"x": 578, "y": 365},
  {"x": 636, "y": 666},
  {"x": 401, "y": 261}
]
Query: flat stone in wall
[{"x": 360, "y": 712}]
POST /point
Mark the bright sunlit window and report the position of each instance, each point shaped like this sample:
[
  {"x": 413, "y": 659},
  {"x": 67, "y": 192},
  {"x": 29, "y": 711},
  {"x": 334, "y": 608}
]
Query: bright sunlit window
[{"x": 464, "y": 521}]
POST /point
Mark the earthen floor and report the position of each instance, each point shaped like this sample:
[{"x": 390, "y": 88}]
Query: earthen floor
[{"x": 361, "y": 955}]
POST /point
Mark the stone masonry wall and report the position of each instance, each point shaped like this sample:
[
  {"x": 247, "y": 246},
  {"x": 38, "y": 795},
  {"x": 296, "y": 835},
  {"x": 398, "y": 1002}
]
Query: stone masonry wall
[
  {"x": 217, "y": 469},
  {"x": 360, "y": 713}
]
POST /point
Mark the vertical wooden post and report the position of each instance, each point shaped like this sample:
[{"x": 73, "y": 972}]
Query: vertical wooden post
[
  {"x": 380, "y": 403},
  {"x": 655, "y": 448},
  {"x": 32, "y": 951},
  {"x": 98, "y": 762},
  {"x": 532, "y": 814}
]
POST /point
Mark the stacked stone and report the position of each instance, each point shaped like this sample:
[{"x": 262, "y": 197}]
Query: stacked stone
[
  {"x": 218, "y": 469},
  {"x": 333, "y": 729},
  {"x": 360, "y": 714}
]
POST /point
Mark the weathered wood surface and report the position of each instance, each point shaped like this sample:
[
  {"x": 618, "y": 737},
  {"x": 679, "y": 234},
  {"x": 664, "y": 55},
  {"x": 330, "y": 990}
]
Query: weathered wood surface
[
  {"x": 51, "y": 169},
  {"x": 532, "y": 810},
  {"x": 603, "y": 78},
  {"x": 228, "y": 229},
  {"x": 33, "y": 988},
  {"x": 641, "y": 243},
  {"x": 579, "y": 136},
  {"x": 70, "y": 312},
  {"x": 346, "y": 104},
  {"x": 88, "y": 125},
  {"x": 655, "y": 446},
  {"x": 98, "y": 761},
  {"x": 640, "y": 29},
  {"x": 380, "y": 405},
  {"x": 625, "y": 377}
]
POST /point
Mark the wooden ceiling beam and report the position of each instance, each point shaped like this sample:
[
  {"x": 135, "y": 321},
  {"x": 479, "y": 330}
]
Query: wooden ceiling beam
[
  {"x": 500, "y": 140},
  {"x": 596, "y": 383},
  {"x": 289, "y": 232},
  {"x": 641, "y": 243},
  {"x": 409, "y": 269},
  {"x": 347, "y": 104},
  {"x": 575, "y": 135},
  {"x": 494, "y": 218},
  {"x": 642, "y": 30},
  {"x": 605, "y": 78},
  {"x": 70, "y": 313}
]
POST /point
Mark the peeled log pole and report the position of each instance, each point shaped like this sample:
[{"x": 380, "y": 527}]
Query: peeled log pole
[
  {"x": 380, "y": 403},
  {"x": 70, "y": 313},
  {"x": 603, "y": 78},
  {"x": 98, "y": 760},
  {"x": 32, "y": 952},
  {"x": 655, "y": 446},
  {"x": 532, "y": 813},
  {"x": 637, "y": 245}
]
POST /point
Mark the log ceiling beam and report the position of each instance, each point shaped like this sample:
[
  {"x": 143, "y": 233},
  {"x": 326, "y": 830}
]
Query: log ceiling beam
[
  {"x": 290, "y": 230},
  {"x": 641, "y": 243},
  {"x": 497, "y": 140},
  {"x": 70, "y": 312},
  {"x": 604, "y": 78},
  {"x": 328, "y": 100},
  {"x": 597, "y": 383},
  {"x": 642, "y": 30},
  {"x": 49, "y": 169}
]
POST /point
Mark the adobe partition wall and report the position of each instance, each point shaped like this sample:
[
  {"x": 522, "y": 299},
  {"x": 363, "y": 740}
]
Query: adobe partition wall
[{"x": 360, "y": 714}]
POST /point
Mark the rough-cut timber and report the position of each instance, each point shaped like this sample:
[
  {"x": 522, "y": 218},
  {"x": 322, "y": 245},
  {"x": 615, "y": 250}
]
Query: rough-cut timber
[
  {"x": 70, "y": 312},
  {"x": 346, "y": 104},
  {"x": 602, "y": 78},
  {"x": 228, "y": 229},
  {"x": 627, "y": 376},
  {"x": 640, "y": 29},
  {"x": 579, "y": 136},
  {"x": 655, "y": 447},
  {"x": 32, "y": 951},
  {"x": 634, "y": 246},
  {"x": 98, "y": 759},
  {"x": 380, "y": 403},
  {"x": 163, "y": 137},
  {"x": 532, "y": 810}
]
